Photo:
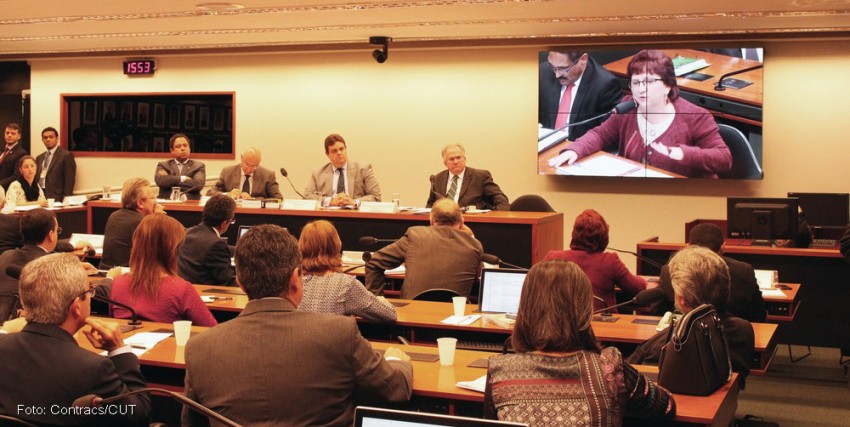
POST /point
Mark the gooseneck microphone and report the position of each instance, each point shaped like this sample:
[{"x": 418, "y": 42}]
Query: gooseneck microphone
[
  {"x": 493, "y": 259},
  {"x": 719, "y": 86},
  {"x": 134, "y": 318},
  {"x": 93, "y": 401},
  {"x": 621, "y": 108},
  {"x": 369, "y": 241},
  {"x": 286, "y": 175},
  {"x": 642, "y": 299},
  {"x": 366, "y": 257},
  {"x": 636, "y": 255}
]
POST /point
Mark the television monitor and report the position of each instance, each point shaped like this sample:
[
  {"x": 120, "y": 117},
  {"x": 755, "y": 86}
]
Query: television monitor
[
  {"x": 763, "y": 220},
  {"x": 500, "y": 290},
  {"x": 827, "y": 214},
  {"x": 365, "y": 416},
  {"x": 721, "y": 92}
]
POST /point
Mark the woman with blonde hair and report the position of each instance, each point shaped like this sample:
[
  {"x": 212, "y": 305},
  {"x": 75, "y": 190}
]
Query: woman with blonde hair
[
  {"x": 153, "y": 287},
  {"x": 326, "y": 288}
]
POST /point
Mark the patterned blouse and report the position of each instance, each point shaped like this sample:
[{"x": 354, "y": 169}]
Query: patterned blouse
[
  {"x": 582, "y": 389},
  {"x": 339, "y": 293}
]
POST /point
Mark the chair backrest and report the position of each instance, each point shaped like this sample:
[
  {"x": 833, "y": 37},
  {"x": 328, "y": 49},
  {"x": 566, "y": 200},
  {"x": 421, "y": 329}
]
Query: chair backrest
[
  {"x": 9, "y": 306},
  {"x": 531, "y": 203},
  {"x": 438, "y": 295},
  {"x": 744, "y": 162}
]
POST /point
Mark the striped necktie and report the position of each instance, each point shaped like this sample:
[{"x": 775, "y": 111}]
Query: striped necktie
[{"x": 453, "y": 188}]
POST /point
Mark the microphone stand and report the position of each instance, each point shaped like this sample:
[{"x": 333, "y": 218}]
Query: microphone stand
[
  {"x": 719, "y": 86},
  {"x": 640, "y": 257},
  {"x": 606, "y": 114},
  {"x": 134, "y": 318}
]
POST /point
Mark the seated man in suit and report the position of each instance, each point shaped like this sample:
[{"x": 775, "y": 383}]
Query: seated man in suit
[
  {"x": 204, "y": 257},
  {"x": 313, "y": 365},
  {"x": 467, "y": 186},
  {"x": 57, "y": 170},
  {"x": 45, "y": 367},
  {"x": 247, "y": 180},
  {"x": 342, "y": 182},
  {"x": 443, "y": 255},
  {"x": 745, "y": 300},
  {"x": 181, "y": 171},
  {"x": 137, "y": 200}
]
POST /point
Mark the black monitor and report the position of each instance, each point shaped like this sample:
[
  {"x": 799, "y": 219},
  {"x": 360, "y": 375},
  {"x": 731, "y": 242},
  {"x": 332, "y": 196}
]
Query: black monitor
[
  {"x": 762, "y": 219},
  {"x": 377, "y": 417},
  {"x": 826, "y": 213}
]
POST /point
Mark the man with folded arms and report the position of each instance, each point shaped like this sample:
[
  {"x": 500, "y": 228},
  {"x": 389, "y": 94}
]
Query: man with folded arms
[
  {"x": 181, "y": 171},
  {"x": 342, "y": 182},
  {"x": 273, "y": 365}
]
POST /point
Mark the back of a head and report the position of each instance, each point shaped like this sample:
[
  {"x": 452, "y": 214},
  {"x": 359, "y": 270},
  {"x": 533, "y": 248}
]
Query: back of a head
[
  {"x": 36, "y": 224},
  {"x": 133, "y": 191},
  {"x": 446, "y": 212},
  {"x": 700, "y": 276},
  {"x": 219, "y": 208},
  {"x": 266, "y": 257},
  {"x": 707, "y": 235},
  {"x": 48, "y": 285},
  {"x": 320, "y": 248},
  {"x": 555, "y": 309},
  {"x": 590, "y": 232},
  {"x": 155, "y": 244}
]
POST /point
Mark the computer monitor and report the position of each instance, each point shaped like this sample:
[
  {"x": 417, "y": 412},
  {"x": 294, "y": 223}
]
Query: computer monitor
[
  {"x": 242, "y": 230},
  {"x": 365, "y": 416},
  {"x": 500, "y": 290},
  {"x": 762, "y": 219},
  {"x": 827, "y": 214}
]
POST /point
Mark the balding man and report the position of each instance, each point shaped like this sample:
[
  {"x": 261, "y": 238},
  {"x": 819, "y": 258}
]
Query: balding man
[
  {"x": 248, "y": 180},
  {"x": 466, "y": 186}
]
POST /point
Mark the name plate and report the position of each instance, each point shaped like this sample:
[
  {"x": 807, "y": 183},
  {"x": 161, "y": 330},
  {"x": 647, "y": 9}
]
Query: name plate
[
  {"x": 300, "y": 205},
  {"x": 380, "y": 207},
  {"x": 253, "y": 204}
]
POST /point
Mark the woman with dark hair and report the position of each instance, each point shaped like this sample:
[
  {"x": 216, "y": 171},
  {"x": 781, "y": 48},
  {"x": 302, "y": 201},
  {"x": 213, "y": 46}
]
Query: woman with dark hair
[
  {"x": 559, "y": 376},
  {"x": 25, "y": 190},
  {"x": 326, "y": 288},
  {"x": 665, "y": 131},
  {"x": 153, "y": 287},
  {"x": 605, "y": 270}
]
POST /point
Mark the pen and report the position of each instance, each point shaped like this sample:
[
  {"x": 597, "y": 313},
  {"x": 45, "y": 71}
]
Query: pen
[
  {"x": 140, "y": 347},
  {"x": 222, "y": 298}
]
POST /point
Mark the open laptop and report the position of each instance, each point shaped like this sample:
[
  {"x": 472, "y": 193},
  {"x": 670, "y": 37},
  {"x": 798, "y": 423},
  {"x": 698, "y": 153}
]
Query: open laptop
[
  {"x": 242, "y": 230},
  {"x": 500, "y": 290},
  {"x": 365, "y": 416}
]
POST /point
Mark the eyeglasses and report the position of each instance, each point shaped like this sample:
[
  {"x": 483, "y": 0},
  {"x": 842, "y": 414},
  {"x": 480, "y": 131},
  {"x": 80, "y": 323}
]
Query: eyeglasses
[
  {"x": 86, "y": 293},
  {"x": 232, "y": 220},
  {"x": 647, "y": 82},
  {"x": 565, "y": 70},
  {"x": 58, "y": 230}
]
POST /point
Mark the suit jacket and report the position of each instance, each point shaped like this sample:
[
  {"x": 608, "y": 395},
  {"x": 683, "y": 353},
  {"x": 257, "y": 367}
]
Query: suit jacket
[
  {"x": 477, "y": 189},
  {"x": 434, "y": 257},
  {"x": 204, "y": 258},
  {"x": 195, "y": 171},
  {"x": 10, "y": 232},
  {"x": 18, "y": 258},
  {"x": 362, "y": 183},
  {"x": 274, "y": 366},
  {"x": 61, "y": 174},
  {"x": 9, "y": 165},
  {"x": 598, "y": 93},
  {"x": 118, "y": 237},
  {"x": 264, "y": 182},
  {"x": 51, "y": 369}
]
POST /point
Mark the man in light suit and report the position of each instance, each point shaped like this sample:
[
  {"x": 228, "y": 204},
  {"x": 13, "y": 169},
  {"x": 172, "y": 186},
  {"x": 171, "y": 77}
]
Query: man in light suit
[
  {"x": 10, "y": 155},
  {"x": 275, "y": 366},
  {"x": 204, "y": 258},
  {"x": 247, "y": 180},
  {"x": 45, "y": 368},
  {"x": 444, "y": 255},
  {"x": 354, "y": 184},
  {"x": 57, "y": 170},
  {"x": 189, "y": 175},
  {"x": 467, "y": 186}
]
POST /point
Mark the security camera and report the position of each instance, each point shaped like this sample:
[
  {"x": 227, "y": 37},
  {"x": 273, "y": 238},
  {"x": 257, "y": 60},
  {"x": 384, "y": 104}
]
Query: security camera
[{"x": 381, "y": 55}]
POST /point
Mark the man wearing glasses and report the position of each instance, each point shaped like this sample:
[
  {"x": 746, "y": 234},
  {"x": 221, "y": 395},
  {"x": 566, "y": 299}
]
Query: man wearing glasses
[
  {"x": 247, "y": 180},
  {"x": 204, "y": 258},
  {"x": 45, "y": 371},
  {"x": 572, "y": 88}
]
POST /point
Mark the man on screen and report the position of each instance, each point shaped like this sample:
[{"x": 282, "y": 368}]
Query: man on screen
[{"x": 464, "y": 185}]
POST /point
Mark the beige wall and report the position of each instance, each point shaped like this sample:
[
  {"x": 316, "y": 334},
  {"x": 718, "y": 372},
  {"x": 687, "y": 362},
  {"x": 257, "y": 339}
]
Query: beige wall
[{"x": 397, "y": 115}]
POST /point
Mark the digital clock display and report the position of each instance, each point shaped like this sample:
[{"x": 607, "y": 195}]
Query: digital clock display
[{"x": 139, "y": 67}]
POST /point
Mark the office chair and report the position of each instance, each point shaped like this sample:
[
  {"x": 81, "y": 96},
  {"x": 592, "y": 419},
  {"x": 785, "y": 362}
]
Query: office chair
[
  {"x": 9, "y": 307},
  {"x": 437, "y": 294},
  {"x": 744, "y": 162},
  {"x": 531, "y": 203}
]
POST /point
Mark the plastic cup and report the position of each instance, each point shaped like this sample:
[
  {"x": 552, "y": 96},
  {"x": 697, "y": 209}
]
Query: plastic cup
[
  {"x": 447, "y": 347},
  {"x": 51, "y": 203},
  {"x": 459, "y": 305},
  {"x": 106, "y": 189},
  {"x": 182, "y": 331},
  {"x": 397, "y": 200}
]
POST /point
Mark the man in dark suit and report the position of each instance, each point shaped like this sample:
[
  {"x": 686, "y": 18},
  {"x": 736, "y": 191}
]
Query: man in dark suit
[
  {"x": 313, "y": 366},
  {"x": 181, "y": 171},
  {"x": 204, "y": 258},
  {"x": 44, "y": 368},
  {"x": 10, "y": 156},
  {"x": 247, "y": 180},
  {"x": 40, "y": 235},
  {"x": 593, "y": 90},
  {"x": 467, "y": 186},
  {"x": 57, "y": 170},
  {"x": 356, "y": 184},
  {"x": 137, "y": 200},
  {"x": 443, "y": 255}
]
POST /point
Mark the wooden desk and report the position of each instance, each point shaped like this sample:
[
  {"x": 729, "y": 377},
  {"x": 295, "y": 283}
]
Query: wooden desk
[
  {"x": 521, "y": 238},
  {"x": 73, "y": 219}
]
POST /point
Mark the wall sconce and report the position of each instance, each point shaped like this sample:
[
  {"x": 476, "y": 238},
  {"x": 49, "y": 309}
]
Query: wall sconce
[{"x": 379, "y": 54}]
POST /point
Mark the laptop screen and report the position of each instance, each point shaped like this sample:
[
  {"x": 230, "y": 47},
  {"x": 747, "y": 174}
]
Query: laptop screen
[
  {"x": 500, "y": 290},
  {"x": 377, "y": 417},
  {"x": 242, "y": 230}
]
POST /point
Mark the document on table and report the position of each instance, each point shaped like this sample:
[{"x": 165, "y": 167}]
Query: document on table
[
  {"x": 477, "y": 384},
  {"x": 775, "y": 293},
  {"x": 461, "y": 320}
]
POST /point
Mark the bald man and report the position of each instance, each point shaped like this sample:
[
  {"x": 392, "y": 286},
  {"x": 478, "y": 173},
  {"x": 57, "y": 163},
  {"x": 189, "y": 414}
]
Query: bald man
[{"x": 247, "y": 180}]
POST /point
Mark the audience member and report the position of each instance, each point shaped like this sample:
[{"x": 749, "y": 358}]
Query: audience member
[
  {"x": 40, "y": 232},
  {"x": 10, "y": 156},
  {"x": 181, "y": 171},
  {"x": 248, "y": 180},
  {"x": 137, "y": 200},
  {"x": 467, "y": 186},
  {"x": 313, "y": 366},
  {"x": 204, "y": 257},
  {"x": 342, "y": 182},
  {"x": 558, "y": 375},
  {"x": 24, "y": 190},
  {"x": 57, "y": 169}
]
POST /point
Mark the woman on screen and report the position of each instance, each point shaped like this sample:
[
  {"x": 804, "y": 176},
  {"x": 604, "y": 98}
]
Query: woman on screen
[
  {"x": 666, "y": 131},
  {"x": 25, "y": 190},
  {"x": 558, "y": 366},
  {"x": 326, "y": 288},
  {"x": 153, "y": 287},
  {"x": 605, "y": 270}
]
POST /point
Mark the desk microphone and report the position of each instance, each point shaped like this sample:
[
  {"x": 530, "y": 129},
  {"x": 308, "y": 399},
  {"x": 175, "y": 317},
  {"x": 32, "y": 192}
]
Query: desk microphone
[
  {"x": 286, "y": 175},
  {"x": 434, "y": 193},
  {"x": 369, "y": 241},
  {"x": 621, "y": 108},
  {"x": 642, "y": 299},
  {"x": 640, "y": 257},
  {"x": 94, "y": 401},
  {"x": 134, "y": 318},
  {"x": 493, "y": 259},
  {"x": 719, "y": 86}
]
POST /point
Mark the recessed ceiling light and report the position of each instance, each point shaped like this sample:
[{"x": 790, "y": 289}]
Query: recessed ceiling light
[{"x": 219, "y": 6}]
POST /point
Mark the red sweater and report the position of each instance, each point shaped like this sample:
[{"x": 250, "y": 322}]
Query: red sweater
[
  {"x": 178, "y": 300},
  {"x": 604, "y": 270}
]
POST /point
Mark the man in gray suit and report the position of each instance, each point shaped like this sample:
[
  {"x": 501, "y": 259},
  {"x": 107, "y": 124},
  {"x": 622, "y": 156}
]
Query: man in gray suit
[
  {"x": 342, "y": 182},
  {"x": 273, "y": 365},
  {"x": 189, "y": 175},
  {"x": 247, "y": 180},
  {"x": 467, "y": 186},
  {"x": 57, "y": 170},
  {"x": 442, "y": 256}
]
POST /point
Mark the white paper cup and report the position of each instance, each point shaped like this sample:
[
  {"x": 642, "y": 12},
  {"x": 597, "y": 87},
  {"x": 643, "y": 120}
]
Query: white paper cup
[
  {"x": 460, "y": 305},
  {"x": 182, "y": 330},
  {"x": 51, "y": 203},
  {"x": 106, "y": 189},
  {"x": 447, "y": 350}
]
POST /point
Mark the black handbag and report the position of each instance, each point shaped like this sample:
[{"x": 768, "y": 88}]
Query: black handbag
[{"x": 695, "y": 360}]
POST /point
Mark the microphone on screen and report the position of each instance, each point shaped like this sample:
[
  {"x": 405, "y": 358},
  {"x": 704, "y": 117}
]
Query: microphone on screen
[
  {"x": 624, "y": 107},
  {"x": 286, "y": 175},
  {"x": 621, "y": 108}
]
